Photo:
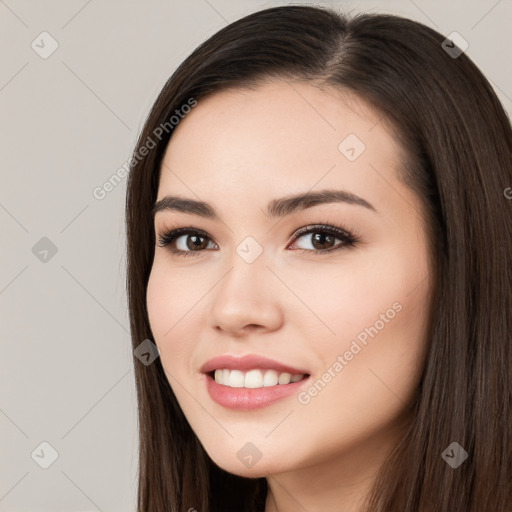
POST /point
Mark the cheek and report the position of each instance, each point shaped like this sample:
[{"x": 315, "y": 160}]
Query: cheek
[
  {"x": 376, "y": 378},
  {"x": 170, "y": 312},
  {"x": 377, "y": 314},
  {"x": 340, "y": 300},
  {"x": 391, "y": 345},
  {"x": 157, "y": 296}
]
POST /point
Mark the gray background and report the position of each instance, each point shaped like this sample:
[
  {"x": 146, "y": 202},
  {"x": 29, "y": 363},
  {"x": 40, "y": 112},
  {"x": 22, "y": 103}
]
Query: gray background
[{"x": 68, "y": 122}]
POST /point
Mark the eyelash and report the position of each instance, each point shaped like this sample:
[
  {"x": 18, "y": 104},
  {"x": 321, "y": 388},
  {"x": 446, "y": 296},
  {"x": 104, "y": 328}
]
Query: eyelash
[{"x": 349, "y": 239}]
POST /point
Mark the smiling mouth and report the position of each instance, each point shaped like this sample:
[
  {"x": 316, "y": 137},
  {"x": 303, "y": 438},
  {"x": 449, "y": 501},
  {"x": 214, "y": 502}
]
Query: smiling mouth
[{"x": 255, "y": 378}]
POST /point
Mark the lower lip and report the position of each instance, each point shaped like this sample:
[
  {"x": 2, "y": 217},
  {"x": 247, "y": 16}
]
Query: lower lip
[{"x": 250, "y": 398}]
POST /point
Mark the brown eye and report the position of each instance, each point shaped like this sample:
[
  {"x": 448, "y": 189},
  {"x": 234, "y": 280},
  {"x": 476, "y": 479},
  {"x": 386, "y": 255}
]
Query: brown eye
[
  {"x": 185, "y": 241},
  {"x": 194, "y": 242},
  {"x": 322, "y": 241},
  {"x": 323, "y": 238}
]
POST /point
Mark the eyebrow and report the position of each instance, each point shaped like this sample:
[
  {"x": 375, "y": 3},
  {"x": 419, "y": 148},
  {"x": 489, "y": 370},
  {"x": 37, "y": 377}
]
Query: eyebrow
[{"x": 275, "y": 208}]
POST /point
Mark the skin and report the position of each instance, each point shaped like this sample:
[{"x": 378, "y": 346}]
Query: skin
[{"x": 237, "y": 150}]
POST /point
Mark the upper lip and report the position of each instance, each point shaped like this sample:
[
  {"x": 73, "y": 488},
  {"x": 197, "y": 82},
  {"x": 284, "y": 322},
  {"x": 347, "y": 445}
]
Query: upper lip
[{"x": 249, "y": 362}]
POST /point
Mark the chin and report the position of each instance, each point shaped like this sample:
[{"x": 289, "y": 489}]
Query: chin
[{"x": 235, "y": 466}]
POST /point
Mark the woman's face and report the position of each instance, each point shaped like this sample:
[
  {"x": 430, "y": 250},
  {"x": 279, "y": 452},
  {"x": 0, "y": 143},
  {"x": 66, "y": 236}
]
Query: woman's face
[{"x": 352, "y": 318}]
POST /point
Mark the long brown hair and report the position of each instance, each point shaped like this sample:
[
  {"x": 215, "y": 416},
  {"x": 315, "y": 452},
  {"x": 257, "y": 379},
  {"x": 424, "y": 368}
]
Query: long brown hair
[{"x": 457, "y": 140}]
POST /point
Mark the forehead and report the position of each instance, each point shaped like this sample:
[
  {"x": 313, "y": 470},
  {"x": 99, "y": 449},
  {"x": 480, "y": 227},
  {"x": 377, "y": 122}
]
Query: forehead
[{"x": 280, "y": 137}]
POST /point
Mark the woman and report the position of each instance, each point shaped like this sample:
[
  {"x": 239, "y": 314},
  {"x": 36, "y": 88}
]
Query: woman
[{"x": 319, "y": 243}]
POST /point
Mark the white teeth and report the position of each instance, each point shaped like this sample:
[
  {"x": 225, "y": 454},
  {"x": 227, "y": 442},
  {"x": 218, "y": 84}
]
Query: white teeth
[
  {"x": 271, "y": 378},
  {"x": 284, "y": 378},
  {"x": 236, "y": 379},
  {"x": 254, "y": 378}
]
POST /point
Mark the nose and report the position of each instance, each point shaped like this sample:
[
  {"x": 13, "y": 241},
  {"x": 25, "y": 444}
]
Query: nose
[{"x": 247, "y": 299}]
